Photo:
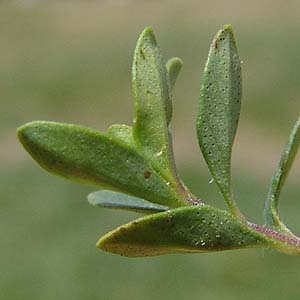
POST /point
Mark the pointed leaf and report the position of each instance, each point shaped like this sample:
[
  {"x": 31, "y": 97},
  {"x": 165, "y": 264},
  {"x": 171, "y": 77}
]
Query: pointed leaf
[
  {"x": 151, "y": 95},
  {"x": 186, "y": 229},
  {"x": 174, "y": 66},
  {"x": 153, "y": 109},
  {"x": 219, "y": 109},
  {"x": 109, "y": 199},
  {"x": 91, "y": 157},
  {"x": 279, "y": 178}
]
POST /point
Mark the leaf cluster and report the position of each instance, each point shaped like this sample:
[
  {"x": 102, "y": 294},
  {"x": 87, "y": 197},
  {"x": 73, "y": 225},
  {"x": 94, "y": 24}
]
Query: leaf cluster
[{"x": 135, "y": 169}]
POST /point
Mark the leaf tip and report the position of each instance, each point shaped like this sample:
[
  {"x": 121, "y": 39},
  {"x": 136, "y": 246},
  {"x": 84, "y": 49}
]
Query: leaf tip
[
  {"x": 99, "y": 243},
  {"x": 91, "y": 199},
  {"x": 26, "y": 132},
  {"x": 22, "y": 132},
  {"x": 224, "y": 33},
  {"x": 104, "y": 243},
  {"x": 227, "y": 27},
  {"x": 174, "y": 62},
  {"x": 148, "y": 33},
  {"x": 174, "y": 65}
]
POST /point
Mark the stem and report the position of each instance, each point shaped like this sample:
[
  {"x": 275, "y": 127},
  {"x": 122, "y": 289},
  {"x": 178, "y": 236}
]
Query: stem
[{"x": 275, "y": 235}]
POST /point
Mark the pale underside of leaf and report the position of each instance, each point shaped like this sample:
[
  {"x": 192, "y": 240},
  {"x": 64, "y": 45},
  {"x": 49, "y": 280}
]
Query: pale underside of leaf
[
  {"x": 219, "y": 109},
  {"x": 288, "y": 156},
  {"x": 97, "y": 159},
  {"x": 115, "y": 200},
  {"x": 187, "y": 229}
]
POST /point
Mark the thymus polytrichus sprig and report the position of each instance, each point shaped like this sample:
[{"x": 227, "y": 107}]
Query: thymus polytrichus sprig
[{"x": 135, "y": 167}]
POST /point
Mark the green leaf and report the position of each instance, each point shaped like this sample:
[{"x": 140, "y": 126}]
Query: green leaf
[
  {"x": 109, "y": 199},
  {"x": 174, "y": 66},
  {"x": 94, "y": 158},
  {"x": 288, "y": 156},
  {"x": 186, "y": 229},
  {"x": 151, "y": 96},
  {"x": 219, "y": 109},
  {"x": 121, "y": 132},
  {"x": 153, "y": 110}
]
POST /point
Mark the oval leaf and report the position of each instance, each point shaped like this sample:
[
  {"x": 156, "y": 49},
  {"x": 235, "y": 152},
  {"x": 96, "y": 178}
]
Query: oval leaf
[
  {"x": 153, "y": 110},
  {"x": 186, "y": 229},
  {"x": 97, "y": 159},
  {"x": 219, "y": 109},
  {"x": 109, "y": 199}
]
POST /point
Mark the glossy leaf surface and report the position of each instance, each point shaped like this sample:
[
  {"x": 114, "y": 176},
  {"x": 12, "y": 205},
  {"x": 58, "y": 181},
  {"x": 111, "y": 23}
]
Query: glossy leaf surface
[
  {"x": 219, "y": 109},
  {"x": 91, "y": 157},
  {"x": 186, "y": 229},
  {"x": 110, "y": 199}
]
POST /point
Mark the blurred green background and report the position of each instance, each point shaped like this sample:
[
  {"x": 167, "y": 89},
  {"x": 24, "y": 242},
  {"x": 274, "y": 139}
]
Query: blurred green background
[{"x": 70, "y": 61}]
